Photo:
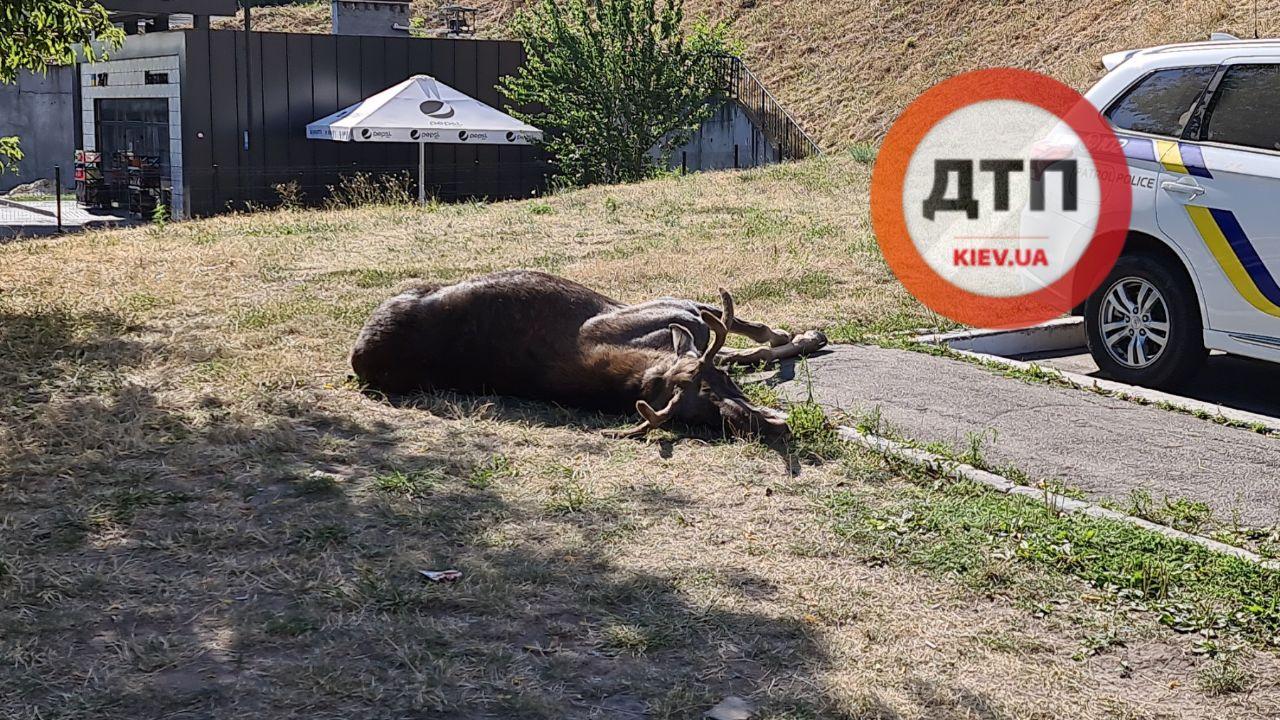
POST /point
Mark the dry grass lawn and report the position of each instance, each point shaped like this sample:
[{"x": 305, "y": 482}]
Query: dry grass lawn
[{"x": 201, "y": 517}]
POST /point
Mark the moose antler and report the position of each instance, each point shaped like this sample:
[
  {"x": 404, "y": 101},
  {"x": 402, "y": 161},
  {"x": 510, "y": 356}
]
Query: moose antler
[
  {"x": 653, "y": 419},
  {"x": 719, "y": 326}
]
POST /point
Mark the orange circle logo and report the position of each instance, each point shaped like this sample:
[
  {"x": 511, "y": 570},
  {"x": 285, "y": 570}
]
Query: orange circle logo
[{"x": 1001, "y": 198}]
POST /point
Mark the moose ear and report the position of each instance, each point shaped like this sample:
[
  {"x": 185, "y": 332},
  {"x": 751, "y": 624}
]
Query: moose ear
[{"x": 682, "y": 340}]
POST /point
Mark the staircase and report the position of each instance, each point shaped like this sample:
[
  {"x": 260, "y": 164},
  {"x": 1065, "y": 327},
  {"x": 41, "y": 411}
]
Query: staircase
[
  {"x": 748, "y": 129},
  {"x": 780, "y": 130}
]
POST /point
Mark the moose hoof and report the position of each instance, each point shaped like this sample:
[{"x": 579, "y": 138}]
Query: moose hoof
[{"x": 810, "y": 341}]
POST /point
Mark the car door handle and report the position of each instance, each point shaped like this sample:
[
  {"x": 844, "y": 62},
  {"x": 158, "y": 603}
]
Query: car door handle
[{"x": 1177, "y": 187}]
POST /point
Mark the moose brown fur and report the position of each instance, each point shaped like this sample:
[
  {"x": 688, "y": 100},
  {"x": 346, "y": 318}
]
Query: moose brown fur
[{"x": 534, "y": 335}]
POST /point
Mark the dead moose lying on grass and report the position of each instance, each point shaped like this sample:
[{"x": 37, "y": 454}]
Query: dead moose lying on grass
[{"x": 534, "y": 335}]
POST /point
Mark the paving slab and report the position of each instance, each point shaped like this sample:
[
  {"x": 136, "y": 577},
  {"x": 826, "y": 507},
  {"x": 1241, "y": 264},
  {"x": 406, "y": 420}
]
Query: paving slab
[
  {"x": 1105, "y": 446},
  {"x": 39, "y": 217}
]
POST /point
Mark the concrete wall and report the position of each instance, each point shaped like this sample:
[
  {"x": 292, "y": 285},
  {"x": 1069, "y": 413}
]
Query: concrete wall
[
  {"x": 727, "y": 140},
  {"x": 375, "y": 18},
  {"x": 40, "y": 110}
]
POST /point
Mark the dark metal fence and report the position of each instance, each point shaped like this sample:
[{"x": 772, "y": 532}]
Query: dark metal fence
[
  {"x": 241, "y": 187},
  {"x": 779, "y": 128},
  {"x": 247, "y": 99}
]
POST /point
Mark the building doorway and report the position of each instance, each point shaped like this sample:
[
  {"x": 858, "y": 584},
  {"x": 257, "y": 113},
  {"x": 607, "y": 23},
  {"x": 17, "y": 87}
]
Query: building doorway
[{"x": 133, "y": 137}]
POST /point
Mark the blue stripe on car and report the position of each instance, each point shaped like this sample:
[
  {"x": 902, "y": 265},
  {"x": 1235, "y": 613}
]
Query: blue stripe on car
[
  {"x": 1139, "y": 149},
  {"x": 1193, "y": 160},
  {"x": 1248, "y": 256}
]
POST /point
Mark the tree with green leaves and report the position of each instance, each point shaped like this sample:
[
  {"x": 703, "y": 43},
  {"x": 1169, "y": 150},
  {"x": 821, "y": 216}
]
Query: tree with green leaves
[
  {"x": 37, "y": 33},
  {"x": 613, "y": 79}
]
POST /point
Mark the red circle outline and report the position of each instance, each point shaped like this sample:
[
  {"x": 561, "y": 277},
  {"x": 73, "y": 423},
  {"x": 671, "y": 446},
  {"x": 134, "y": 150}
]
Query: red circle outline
[{"x": 889, "y": 221}]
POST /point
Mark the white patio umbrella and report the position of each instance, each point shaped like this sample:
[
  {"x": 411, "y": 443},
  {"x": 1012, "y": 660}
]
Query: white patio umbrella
[{"x": 423, "y": 110}]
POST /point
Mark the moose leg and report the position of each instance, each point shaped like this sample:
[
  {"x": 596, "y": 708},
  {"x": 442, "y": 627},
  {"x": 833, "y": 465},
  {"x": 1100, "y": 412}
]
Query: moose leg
[
  {"x": 648, "y": 325},
  {"x": 761, "y": 333},
  {"x": 801, "y": 344},
  {"x": 758, "y": 332}
]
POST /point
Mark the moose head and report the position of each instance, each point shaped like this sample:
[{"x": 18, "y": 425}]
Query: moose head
[{"x": 692, "y": 389}]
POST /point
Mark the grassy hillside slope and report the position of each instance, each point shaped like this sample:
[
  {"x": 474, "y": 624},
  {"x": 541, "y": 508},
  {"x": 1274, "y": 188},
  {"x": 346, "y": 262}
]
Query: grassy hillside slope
[{"x": 846, "y": 68}]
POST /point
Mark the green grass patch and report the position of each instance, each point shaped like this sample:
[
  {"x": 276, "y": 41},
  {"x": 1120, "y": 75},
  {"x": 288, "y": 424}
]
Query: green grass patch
[
  {"x": 762, "y": 395},
  {"x": 864, "y": 153},
  {"x": 569, "y": 497},
  {"x": 761, "y": 223},
  {"x": 893, "y": 329},
  {"x": 815, "y": 285},
  {"x": 140, "y": 302},
  {"x": 418, "y": 483},
  {"x": 495, "y": 468},
  {"x": 626, "y": 637},
  {"x": 813, "y": 435},
  {"x": 1187, "y": 515},
  {"x": 1222, "y": 676},
  {"x": 962, "y": 529}
]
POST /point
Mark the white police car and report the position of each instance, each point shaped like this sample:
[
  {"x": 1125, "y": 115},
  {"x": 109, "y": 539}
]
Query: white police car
[{"x": 1199, "y": 124}]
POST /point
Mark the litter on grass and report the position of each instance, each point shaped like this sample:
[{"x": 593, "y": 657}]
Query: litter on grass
[{"x": 441, "y": 575}]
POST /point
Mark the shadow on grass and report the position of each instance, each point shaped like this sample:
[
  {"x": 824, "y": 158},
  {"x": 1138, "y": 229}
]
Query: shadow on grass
[
  {"x": 200, "y": 559},
  {"x": 535, "y": 414}
]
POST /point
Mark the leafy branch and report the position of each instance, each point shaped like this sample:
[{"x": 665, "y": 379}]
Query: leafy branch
[{"x": 35, "y": 34}]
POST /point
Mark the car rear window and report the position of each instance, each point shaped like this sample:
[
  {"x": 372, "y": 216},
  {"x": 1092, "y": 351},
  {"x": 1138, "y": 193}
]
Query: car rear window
[
  {"x": 1162, "y": 102},
  {"x": 1246, "y": 107}
]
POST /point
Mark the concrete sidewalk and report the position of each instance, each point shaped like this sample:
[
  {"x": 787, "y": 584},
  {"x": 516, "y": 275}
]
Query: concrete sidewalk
[
  {"x": 39, "y": 217},
  {"x": 1104, "y": 446}
]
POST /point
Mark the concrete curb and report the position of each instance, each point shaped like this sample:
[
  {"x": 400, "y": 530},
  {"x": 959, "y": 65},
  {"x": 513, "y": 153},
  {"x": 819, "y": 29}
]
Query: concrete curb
[
  {"x": 1130, "y": 392},
  {"x": 960, "y": 471},
  {"x": 985, "y": 346},
  {"x": 1060, "y": 334}
]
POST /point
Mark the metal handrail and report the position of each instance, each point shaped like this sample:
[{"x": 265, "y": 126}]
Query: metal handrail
[{"x": 779, "y": 128}]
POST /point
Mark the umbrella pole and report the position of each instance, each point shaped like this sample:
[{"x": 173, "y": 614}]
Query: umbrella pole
[{"x": 422, "y": 173}]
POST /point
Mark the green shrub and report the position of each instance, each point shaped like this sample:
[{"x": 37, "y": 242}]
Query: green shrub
[{"x": 614, "y": 79}]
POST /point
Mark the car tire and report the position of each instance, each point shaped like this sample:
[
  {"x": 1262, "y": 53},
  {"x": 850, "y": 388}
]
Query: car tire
[{"x": 1126, "y": 344}]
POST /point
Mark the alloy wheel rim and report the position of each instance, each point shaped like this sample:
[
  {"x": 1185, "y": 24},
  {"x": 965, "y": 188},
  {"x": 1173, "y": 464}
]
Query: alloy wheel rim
[{"x": 1134, "y": 322}]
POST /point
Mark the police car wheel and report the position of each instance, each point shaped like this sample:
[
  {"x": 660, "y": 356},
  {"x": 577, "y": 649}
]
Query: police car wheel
[{"x": 1143, "y": 324}]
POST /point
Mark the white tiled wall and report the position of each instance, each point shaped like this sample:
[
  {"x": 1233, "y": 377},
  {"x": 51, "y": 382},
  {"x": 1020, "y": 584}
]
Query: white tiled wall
[{"x": 127, "y": 79}]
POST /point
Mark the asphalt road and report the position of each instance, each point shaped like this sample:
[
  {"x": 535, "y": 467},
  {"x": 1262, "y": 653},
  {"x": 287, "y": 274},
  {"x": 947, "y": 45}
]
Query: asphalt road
[{"x": 1104, "y": 446}]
